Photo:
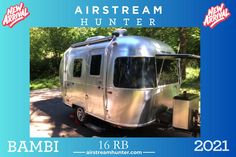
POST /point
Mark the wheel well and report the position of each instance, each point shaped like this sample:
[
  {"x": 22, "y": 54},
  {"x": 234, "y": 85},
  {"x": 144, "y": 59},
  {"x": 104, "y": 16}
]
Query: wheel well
[{"x": 76, "y": 106}]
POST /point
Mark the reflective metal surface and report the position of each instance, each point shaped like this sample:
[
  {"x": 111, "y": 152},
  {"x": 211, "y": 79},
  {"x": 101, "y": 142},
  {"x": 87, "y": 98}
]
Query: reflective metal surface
[
  {"x": 133, "y": 108},
  {"x": 183, "y": 113},
  {"x": 98, "y": 95}
]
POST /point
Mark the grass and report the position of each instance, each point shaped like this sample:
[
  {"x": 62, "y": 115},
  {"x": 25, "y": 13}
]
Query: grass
[
  {"x": 192, "y": 83},
  {"x": 50, "y": 83}
]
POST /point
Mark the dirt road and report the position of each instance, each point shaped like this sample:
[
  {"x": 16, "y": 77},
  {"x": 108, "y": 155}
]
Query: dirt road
[{"x": 49, "y": 117}]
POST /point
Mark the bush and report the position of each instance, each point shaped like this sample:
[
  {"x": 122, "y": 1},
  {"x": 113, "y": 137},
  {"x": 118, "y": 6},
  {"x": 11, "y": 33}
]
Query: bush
[{"x": 45, "y": 83}]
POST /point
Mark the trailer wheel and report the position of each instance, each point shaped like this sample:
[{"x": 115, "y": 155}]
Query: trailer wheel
[{"x": 80, "y": 114}]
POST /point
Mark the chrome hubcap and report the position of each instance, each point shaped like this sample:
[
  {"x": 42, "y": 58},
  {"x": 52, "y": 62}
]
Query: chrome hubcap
[{"x": 80, "y": 114}]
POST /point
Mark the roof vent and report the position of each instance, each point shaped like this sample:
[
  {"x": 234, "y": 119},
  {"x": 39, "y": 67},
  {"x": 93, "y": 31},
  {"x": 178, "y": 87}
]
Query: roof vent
[
  {"x": 94, "y": 38},
  {"x": 120, "y": 33}
]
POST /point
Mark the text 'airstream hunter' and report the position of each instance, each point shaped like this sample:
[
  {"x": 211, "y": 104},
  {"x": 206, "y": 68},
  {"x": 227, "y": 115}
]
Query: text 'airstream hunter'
[{"x": 128, "y": 81}]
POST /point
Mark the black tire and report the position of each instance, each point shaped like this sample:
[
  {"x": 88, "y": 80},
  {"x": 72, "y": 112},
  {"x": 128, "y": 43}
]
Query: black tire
[{"x": 80, "y": 114}]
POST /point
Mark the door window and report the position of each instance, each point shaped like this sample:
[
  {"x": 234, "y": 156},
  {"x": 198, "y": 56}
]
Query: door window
[{"x": 95, "y": 64}]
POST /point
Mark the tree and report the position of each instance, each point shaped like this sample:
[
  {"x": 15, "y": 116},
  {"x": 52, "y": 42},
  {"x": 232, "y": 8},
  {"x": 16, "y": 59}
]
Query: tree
[
  {"x": 48, "y": 44},
  {"x": 183, "y": 49}
]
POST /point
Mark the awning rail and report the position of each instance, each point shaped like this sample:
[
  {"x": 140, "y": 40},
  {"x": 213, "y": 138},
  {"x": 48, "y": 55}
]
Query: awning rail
[
  {"x": 84, "y": 43},
  {"x": 172, "y": 56}
]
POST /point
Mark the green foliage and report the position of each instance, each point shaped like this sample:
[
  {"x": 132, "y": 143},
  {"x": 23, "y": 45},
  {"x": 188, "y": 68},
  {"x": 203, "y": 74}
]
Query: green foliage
[
  {"x": 192, "y": 83},
  {"x": 171, "y": 36},
  {"x": 48, "y": 44},
  {"x": 45, "y": 83}
]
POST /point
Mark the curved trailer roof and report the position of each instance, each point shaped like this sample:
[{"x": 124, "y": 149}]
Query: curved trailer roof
[
  {"x": 130, "y": 42},
  {"x": 135, "y": 44}
]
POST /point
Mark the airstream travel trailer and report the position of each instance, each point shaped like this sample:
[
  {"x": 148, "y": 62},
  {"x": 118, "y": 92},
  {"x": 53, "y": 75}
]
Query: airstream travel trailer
[{"x": 128, "y": 81}]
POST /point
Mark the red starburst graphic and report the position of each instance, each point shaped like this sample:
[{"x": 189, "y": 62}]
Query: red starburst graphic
[
  {"x": 15, "y": 14},
  {"x": 216, "y": 15}
]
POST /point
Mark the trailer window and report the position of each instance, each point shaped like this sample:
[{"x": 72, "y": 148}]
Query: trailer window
[
  {"x": 95, "y": 65},
  {"x": 169, "y": 72},
  {"x": 77, "y": 69},
  {"x": 135, "y": 72}
]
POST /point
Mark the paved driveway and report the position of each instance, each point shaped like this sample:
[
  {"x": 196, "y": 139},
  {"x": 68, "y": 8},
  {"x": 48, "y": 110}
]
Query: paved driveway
[{"x": 49, "y": 117}]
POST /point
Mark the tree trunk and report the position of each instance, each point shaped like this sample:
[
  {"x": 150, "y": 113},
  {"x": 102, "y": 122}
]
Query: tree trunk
[{"x": 183, "y": 49}]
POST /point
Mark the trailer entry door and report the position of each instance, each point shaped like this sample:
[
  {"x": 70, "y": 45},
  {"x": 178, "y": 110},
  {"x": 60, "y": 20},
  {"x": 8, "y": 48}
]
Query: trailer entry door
[{"x": 94, "y": 89}]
